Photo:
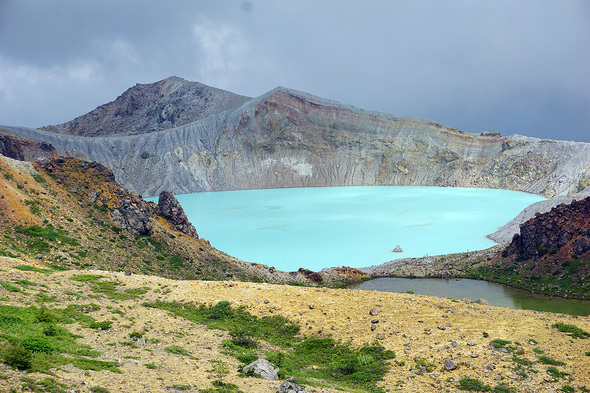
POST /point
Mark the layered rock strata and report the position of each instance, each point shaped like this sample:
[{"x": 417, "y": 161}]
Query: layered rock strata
[{"x": 287, "y": 138}]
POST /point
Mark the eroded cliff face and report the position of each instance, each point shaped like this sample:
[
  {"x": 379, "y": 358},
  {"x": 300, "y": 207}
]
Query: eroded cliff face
[{"x": 287, "y": 138}]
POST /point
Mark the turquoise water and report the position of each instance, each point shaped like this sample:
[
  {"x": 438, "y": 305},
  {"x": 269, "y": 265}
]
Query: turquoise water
[
  {"x": 324, "y": 227},
  {"x": 495, "y": 294}
]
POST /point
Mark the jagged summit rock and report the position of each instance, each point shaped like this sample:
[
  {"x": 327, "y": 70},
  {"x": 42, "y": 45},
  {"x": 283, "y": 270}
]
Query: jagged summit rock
[
  {"x": 145, "y": 108},
  {"x": 170, "y": 209},
  {"x": 397, "y": 249}
]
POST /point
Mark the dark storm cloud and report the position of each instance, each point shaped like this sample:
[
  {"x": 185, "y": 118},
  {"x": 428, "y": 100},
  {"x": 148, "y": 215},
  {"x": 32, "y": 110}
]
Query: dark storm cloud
[{"x": 508, "y": 66}]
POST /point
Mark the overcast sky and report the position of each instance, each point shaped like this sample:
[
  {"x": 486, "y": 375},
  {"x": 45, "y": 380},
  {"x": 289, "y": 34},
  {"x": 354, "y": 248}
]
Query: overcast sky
[{"x": 515, "y": 67}]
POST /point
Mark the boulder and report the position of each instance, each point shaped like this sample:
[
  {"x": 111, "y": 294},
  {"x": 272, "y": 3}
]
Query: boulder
[
  {"x": 397, "y": 249},
  {"x": 134, "y": 217},
  {"x": 170, "y": 209},
  {"x": 450, "y": 365},
  {"x": 290, "y": 387},
  {"x": 263, "y": 369}
]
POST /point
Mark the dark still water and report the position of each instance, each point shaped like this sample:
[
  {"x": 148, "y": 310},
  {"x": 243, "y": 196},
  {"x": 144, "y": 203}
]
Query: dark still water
[{"x": 496, "y": 294}]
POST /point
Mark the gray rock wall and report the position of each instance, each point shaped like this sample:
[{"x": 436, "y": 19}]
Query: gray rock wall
[{"x": 291, "y": 139}]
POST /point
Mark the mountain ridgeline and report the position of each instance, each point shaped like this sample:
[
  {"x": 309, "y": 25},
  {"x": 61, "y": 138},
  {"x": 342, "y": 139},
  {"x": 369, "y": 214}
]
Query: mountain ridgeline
[{"x": 217, "y": 141}]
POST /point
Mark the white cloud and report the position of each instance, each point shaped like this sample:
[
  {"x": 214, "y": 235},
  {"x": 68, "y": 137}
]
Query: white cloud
[{"x": 223, "y": 49}]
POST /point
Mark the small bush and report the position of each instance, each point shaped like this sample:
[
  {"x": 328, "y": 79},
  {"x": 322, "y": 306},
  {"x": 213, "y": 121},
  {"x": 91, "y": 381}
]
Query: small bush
[
  {"x": 498, "y": 343},
  {"x": 37, "y": 345},
  {"x": 573, "y": 330},
  {"x": 17, "y": 356},
  {"x": 151, "y": 366},
  {"x": 556, "y": 374},
  {"x": 104, "y": 325},
  {"x": 175, "y": 349},
  {"x": 135, "y": 336},
  {"x": 567, "y": 389},
  {"x": 99, "y": 389},
  {"x": 473, "y": 385},
  {"x": 550, "y": 361}
]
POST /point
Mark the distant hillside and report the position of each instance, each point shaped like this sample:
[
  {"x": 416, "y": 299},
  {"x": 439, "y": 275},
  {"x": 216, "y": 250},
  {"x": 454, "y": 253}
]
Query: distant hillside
[{"x": 169, "y": 103}]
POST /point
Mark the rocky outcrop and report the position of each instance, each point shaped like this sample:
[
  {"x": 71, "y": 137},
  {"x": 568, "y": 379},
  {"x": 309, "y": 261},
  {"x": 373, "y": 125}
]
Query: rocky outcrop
[
  {"x": 24, "y": 150},
  {"x": 287, "y": 138},
  {"x": 562, "y": 232},
  {"x": 171, "y": 102},
  {"x": 170, "y": 209},
  {"x": 507, "y": 231},
  {"x": 133, "y": 216}
]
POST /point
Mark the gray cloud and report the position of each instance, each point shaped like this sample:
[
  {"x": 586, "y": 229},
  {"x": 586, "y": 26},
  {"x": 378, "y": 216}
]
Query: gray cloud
[{"x": 508, "y": 66}]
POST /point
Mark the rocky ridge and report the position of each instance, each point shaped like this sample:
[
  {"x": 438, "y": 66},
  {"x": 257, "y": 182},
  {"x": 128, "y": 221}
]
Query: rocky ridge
[
  {"x": 287, "y": 138},
  {"x": 144, "y": 108}
]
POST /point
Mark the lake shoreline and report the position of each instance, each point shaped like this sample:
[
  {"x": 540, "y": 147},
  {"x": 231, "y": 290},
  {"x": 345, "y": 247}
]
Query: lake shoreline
[{"x": 459, "y": 265}]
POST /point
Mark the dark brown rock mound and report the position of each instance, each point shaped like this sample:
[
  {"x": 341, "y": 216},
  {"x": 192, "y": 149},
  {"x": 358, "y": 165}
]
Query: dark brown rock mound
[
  {"x": 170, "y": 209},
  {"x": 562, "y": 232}
]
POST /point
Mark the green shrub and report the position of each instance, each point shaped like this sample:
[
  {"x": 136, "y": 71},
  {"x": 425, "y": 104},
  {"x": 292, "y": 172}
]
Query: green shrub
[
  {"x": 473, "y": 385},
  {"x": 151, "y": 366},
  {"x": 37, "y": 345},
  {"x": 99, "y": 389},
  {"x": 18, "y": 357},
  {"x": 104, "y": 325},
  {"x": 567, "y": 389},
  {"x": 550, "y": 361},
  {"x": 87, "y": 277},
  {"x": 498, "y": 343},
  {"x": 556, "y": 374},
  {"x": 135, "y": 336},
  {"x": 573, "y": 330},
  {"x": 175, "y": 349}
]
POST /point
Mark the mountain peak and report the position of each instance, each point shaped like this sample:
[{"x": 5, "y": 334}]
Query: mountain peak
[{"x": 145, "y": 108}]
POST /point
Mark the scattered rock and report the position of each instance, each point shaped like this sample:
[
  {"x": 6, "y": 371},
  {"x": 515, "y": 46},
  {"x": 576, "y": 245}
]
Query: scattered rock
[
  {"x": 373, "y": 327},
  {"x": 311, "y": 306},
  {"x": 466, "y": 314},
  {"x": 450, "y": 365},
  {"x": 375, "y": 320},
  {"x": 262, "y": 368},
  {"x": 471, "y": 343},
  {"x": 290, "y": 387},
  {"x": 482, "y": 301},
  {"x": 453, "y": 310},
  {"x": 373, "y": 311}
]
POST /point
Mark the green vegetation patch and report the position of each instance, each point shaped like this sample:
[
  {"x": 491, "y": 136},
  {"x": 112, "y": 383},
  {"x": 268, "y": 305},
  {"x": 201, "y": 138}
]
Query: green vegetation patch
[
  {"x": 473, "y": 385},
  {"x": 29, "y": 268},
  {"x": 33, "y": 339},
  {"x": 41, "y": 239},
  {"x": 87, "y": 277},
  {"x": 572, "y": 330},
  {"x": 499, "y": 343},
  {"x": 307, "y": 359},
  {"x": 550, "y": 361}
]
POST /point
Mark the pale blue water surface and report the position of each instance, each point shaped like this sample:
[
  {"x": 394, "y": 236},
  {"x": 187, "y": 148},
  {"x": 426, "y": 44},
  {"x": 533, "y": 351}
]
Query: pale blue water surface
[{"x": 324, "y": 227}]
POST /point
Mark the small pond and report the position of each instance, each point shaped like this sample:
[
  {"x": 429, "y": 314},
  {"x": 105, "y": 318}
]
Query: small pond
[{"x": 495, "y": 294}]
